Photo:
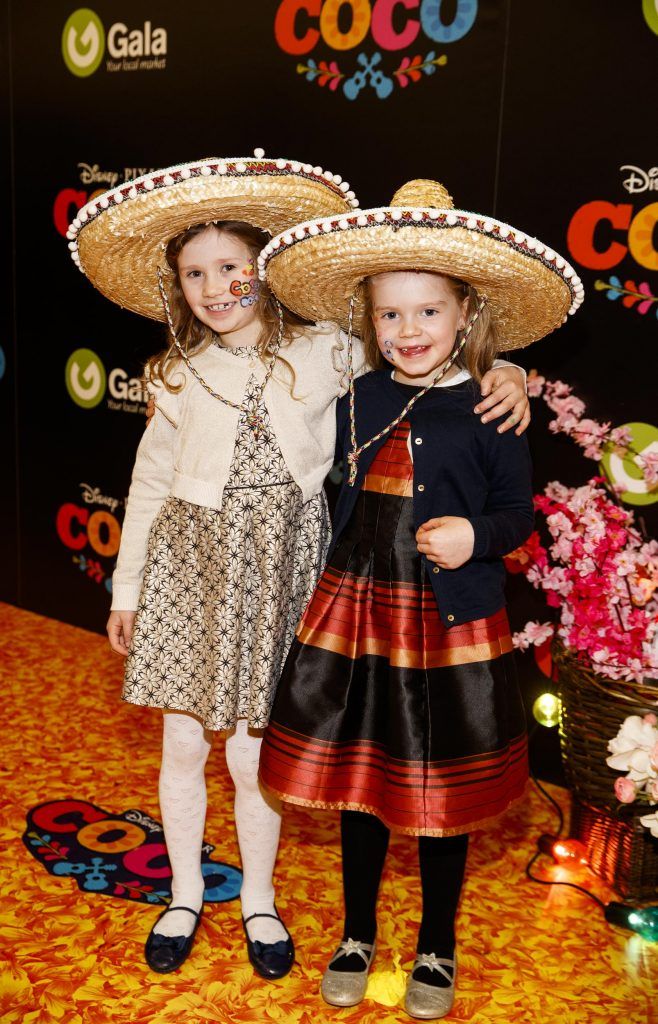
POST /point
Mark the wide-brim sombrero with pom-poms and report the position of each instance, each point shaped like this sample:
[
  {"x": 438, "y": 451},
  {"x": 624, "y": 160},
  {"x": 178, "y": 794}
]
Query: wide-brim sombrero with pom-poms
[
  {"x": 315, "y": 268},
  {"x": 118, "y": 239}
]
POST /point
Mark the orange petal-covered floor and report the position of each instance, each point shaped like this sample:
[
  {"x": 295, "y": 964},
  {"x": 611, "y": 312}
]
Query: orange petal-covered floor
[{"x": 527, "y": 953}]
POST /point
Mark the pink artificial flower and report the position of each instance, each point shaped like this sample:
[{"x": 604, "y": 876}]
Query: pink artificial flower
[
  {"x": 562, "y": 549},
  {"x": 558, "y": 524},
  {"x": 652, "y": 720},
  {"x": 556, "y": 579},
  {"x": 598, "y": 573},
  {"x": 591, "y": 430},
  {"x": 521, "y": 641},
  {"x": 557, "y": 491},
  {"x": 539, "y": 632},
  {"x": 569, "y": 405},
  {"x": 535, "y": 385},
  {"x": 625, "y": 790},
  {"x": 626, "y": 563},
  {"x": 621, "y": 437},
  {"x": 563, "y": 424},
  {"x": 648, "y": 463},
  {"x": 556, "y": 389}
]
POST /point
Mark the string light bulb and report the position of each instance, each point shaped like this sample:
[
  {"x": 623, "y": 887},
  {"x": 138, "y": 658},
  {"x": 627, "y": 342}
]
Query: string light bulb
[
  {"x": 642, "y": 920},
  {"x": 571, "y": 852},
  {"x": 567, "y": 852},
  {"x": 546, "y": 710}
]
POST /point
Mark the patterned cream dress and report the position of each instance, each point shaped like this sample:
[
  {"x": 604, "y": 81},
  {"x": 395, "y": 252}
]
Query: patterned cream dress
[{"x": 223, "y": 590}]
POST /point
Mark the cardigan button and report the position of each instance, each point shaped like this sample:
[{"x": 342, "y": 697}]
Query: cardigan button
[
  {"x": 450, "y": 618},
  {"x": 421, "y": 487},
  {"x": 418, "y": 440},
  {"x": 436, "y": 569}
]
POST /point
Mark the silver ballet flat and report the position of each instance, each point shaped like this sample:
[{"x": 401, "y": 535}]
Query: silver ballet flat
[
  {"x": 430, "y": 1002},
  {"x": 347, "y": 988}
]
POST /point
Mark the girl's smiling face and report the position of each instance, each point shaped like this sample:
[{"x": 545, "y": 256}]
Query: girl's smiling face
[
  {"x": 216, "y": 273},
  {"x": 416, "y": 318}
]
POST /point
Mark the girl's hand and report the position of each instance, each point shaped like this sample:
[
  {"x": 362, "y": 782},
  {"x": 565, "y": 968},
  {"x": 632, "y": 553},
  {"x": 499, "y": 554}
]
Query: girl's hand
[
  {"x": 503, "y": 389},
  {"x": 120, "y": 631},
  {"x": 150, "y": 409},
  {"x": 448, "y": 541}
]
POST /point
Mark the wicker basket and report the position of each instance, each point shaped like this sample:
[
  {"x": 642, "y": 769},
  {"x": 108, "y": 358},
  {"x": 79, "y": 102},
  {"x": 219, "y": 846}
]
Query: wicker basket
[
  {"x": 620, "y": 849},
  {"x": 621, "y": 852}
]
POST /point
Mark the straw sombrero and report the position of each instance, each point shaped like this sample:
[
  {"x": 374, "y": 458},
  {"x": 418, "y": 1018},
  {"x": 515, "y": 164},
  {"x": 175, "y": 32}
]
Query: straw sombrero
[
  {"x": 316, "y": 267},
  {"x": 118, "y": 239}
]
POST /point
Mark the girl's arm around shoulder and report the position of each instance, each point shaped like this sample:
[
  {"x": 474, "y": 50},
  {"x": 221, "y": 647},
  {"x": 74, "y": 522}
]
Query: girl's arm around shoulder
[
  {"x": 508, "y": 518},
  {"x": 504, "y": 390}
]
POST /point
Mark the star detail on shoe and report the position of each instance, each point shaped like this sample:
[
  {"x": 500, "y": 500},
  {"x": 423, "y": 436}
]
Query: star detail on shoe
[
  {"x": 434, "y": 963},
  {"x": 353, "y": 946}
]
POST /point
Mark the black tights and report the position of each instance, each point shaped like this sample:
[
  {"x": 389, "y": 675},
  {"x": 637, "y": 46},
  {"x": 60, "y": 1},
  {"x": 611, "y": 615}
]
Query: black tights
[{"x": 442, "y": 862}]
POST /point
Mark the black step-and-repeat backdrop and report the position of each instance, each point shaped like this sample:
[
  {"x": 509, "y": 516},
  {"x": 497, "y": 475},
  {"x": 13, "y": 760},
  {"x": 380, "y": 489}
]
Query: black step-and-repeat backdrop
[{"x": 540, "y": 113}]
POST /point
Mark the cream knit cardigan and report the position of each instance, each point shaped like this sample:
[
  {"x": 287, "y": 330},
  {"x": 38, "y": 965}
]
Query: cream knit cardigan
[{"x": 188, "y": 448}]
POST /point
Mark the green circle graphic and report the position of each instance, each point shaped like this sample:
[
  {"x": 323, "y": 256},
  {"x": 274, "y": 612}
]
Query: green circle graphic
[
  {"x": 83, "y": 42},
  {"x": 625, "y": 471},
  {"x": 85, "y": 378},
  {"x": 650, "y": 12}
]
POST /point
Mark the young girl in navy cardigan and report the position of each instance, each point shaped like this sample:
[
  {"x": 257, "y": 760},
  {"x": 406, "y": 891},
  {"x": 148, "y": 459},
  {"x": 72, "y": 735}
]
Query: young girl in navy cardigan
[{"x": 398, "y": 702}]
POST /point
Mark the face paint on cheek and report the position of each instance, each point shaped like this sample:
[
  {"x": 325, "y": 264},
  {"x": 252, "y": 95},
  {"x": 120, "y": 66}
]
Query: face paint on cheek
[
  {"x": 246, "y": 291},
  {"x": 387, "y": 348}
]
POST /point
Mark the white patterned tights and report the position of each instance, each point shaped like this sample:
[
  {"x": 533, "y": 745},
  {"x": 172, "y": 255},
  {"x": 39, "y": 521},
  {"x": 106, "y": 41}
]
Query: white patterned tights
[{"x": 185, "y": 748}]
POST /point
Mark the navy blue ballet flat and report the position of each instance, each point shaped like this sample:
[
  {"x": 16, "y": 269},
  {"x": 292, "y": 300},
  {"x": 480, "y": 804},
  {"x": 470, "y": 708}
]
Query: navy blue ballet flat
[
  {"x": 270, "y": 959},
  {"x": 165, "y": 953}
]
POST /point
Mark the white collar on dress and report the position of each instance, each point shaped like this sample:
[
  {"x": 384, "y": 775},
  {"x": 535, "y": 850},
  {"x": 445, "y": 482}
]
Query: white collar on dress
[{"x": 459, "y": 378}]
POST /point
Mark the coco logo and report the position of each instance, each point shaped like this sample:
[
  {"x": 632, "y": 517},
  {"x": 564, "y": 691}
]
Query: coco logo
[
  {"x": 602, "y": 234},
  {"x": 391, "y": 25},
  {"x": 84, "y": 41}
]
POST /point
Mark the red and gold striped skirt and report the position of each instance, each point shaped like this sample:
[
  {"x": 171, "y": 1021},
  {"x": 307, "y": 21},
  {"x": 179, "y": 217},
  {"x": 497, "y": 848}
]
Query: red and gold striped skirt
[{"x": 380, "y": 707}]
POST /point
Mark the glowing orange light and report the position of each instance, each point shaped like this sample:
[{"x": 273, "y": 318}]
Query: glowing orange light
[{"x": 569, "y": 852}]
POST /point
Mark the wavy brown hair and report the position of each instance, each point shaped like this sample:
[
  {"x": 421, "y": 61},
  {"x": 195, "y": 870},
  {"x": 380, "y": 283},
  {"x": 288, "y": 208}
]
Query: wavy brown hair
[
  {"x": 479, "y": 351},
  {"x": 193, "y": 335}
]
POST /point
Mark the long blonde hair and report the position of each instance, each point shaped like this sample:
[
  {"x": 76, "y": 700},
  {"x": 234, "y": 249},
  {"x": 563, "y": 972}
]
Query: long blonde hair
[
  {"x": 479, "y": 351},
  {"x": 193, "y": 335}
]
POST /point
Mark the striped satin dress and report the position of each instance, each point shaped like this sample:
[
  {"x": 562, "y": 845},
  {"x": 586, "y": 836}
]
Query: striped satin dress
[{"x": 380, "y": 707}]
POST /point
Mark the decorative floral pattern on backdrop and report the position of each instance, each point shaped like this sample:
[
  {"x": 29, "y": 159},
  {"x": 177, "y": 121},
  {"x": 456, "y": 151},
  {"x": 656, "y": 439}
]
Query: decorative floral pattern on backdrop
[{"x": 633, "y": 296}]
